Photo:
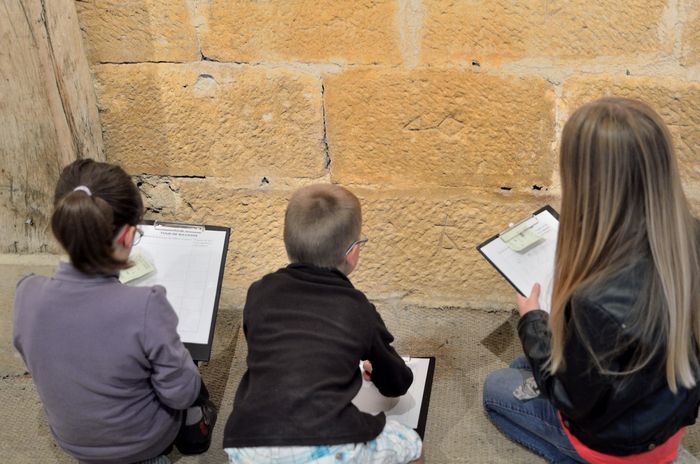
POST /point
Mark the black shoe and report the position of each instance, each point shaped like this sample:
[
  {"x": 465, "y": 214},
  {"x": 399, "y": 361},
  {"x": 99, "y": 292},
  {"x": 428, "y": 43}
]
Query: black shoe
[{"x": 196, "y": 438}]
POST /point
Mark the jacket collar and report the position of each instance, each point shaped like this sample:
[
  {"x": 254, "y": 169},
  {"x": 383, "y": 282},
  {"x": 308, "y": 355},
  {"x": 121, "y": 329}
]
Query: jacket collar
[
  {"x": 313, "y": 273},
  {"x": 66, "y": 271}
]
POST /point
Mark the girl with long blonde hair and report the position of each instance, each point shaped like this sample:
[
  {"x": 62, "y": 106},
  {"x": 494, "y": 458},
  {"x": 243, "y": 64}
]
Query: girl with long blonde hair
[{"x": 611, "y": 375}]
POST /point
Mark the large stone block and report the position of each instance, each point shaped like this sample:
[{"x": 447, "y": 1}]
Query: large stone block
[
  {"x": 422, "y": 242},
  {"x": 423, "y": 245},
  {"x": 678, "y": 103},
  {"x": 209, "y": 119},
  {"x": 360, "y": 32},
  {"x": 439, "y": 128},
  {"x": 138, "y": 30},
  {"x": 502, "y": 30}
]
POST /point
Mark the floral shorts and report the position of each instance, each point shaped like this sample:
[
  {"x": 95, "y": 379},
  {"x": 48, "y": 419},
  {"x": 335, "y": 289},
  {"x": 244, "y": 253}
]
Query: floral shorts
[{"x": 397, "y": 444}]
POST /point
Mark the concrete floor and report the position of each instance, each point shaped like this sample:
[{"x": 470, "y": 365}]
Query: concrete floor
[{"x": 468, "y": 344}]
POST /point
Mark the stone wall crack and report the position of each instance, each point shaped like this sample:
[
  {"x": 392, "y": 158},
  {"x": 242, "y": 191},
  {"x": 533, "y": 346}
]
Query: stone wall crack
[{"x": 324, "y": 139}]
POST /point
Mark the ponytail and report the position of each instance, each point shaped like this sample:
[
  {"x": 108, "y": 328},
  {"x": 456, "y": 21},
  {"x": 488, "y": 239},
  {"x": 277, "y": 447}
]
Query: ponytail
[{"x": 93, "y": 201}]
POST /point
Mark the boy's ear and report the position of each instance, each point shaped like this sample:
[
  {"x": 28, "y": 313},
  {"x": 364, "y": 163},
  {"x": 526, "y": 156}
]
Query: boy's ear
[{"x": 352, "y": 259}]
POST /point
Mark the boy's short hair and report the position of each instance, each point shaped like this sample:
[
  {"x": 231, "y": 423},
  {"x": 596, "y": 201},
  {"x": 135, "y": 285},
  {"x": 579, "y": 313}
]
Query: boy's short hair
[{"x": 321, "y": 222}]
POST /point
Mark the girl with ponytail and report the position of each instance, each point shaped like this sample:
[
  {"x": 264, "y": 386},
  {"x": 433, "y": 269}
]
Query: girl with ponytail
[
  {"x": 116, "y": 382},
  {"x": 96, "y": 210},
  {"x": 611, "y": 375}
]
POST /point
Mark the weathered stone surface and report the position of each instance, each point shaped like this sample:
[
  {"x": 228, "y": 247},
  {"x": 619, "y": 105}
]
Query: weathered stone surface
[
  {"x": 48, "y": 115},
  {"x": 359, "y": 32},
  {"x": 501, "y": 30},
  {"x": 256, "y": 219},
  {"x": 691, "y": 36},
  {"x": 138, "y": 30},
  {"x": 439, "y": 128},
  {"x": 422, "y": 242},
  {"x": 676, "y": 101},
  {"x": 423, "y": 245},
  {"x": 211, "y": 119}
]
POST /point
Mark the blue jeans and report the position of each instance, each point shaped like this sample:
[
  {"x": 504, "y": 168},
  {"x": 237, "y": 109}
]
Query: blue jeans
[{"x": 533, "y": 423}]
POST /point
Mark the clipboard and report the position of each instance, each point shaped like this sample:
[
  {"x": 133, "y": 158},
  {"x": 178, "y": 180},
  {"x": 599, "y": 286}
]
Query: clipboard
[
  {"x": 188, "y": 260},
  {"x": 425, "y": 401},
  {"x": 406, "y": 410},
  {"x": 524, "y": 253}
]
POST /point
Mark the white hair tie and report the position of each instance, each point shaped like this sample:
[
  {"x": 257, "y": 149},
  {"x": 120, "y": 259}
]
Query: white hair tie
[{"x": 83, "y": 188}]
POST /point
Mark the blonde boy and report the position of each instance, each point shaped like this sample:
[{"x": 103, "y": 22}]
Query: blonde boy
[{"x": 307, "y": 330}]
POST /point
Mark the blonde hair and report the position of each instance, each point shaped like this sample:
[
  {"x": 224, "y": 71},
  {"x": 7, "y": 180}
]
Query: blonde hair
[
  {"x": 320, "y": 223},
  {"x": 622, "y": 199}
]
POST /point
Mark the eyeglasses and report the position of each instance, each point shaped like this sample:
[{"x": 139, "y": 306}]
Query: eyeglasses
[
  {"x": 138, "y": 233},
  {"x": 361, "y": 242}
]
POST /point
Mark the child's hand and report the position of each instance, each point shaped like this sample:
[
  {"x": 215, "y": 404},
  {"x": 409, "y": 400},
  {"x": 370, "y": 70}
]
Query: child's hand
[
  {"x": 525, "y": 305},
  {"x": 366, "y": 370}
]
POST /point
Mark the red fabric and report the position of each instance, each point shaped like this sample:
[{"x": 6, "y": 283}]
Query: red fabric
[{"x": 662, "y": 454}]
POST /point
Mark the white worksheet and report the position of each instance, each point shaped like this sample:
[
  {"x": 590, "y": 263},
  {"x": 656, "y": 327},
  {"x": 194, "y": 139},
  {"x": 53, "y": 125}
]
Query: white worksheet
[
  {"x": 535, "y": 264},
  {"x": 405, "y": 409},
  {"x": 187, "y": 263}
]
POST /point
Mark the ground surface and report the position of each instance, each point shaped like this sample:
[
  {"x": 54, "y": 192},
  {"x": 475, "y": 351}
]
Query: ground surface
[{"x": 468, "y": 344}]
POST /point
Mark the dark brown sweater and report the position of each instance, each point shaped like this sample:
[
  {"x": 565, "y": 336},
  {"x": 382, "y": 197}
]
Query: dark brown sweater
[{"x": 307, "y": 329}]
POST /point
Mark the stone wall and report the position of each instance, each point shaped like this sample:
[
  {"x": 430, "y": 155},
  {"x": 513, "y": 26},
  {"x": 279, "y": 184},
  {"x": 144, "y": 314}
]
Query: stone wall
[{"x": 443, "y": 116}]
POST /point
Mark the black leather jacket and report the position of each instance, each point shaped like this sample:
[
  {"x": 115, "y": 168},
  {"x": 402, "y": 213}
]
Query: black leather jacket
[{"x": 613, "y": 414}]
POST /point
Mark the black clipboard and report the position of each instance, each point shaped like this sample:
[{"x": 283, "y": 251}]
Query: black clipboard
[
  {"x": 201, "y": 351},
  {"x": 425, "y": 402},
  {"x": 479, "y": 247}
]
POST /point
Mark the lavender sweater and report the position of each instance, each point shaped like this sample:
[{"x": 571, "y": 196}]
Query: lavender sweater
[{"x": 107, "y": 362}]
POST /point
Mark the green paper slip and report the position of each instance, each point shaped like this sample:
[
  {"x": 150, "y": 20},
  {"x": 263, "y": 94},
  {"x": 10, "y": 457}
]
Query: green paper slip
[
  {"x": 522, "y": 236},
  {"x": 140, "y": 267}
]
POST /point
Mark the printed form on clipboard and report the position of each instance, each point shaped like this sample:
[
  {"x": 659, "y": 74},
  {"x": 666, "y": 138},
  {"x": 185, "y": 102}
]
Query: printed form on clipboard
[
  {"x": 188, "y": 260},
  {"x": 410, "y": 409},
  {"x": 524, "y": 253}
]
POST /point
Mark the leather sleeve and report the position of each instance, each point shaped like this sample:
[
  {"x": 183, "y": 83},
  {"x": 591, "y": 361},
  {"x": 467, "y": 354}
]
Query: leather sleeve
[{"x": 590, "y": 333}]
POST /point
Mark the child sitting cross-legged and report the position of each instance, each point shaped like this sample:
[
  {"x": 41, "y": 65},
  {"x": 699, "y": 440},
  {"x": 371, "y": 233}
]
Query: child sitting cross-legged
[
  {"x": 117, "y": 384},
  {"x": 307, "y": 330}
]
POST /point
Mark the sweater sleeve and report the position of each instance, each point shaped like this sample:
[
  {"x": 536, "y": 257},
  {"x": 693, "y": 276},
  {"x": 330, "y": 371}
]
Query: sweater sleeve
[
  {"x": 390, "y": 374},
  {"x": 578, "y": 386},
  {"x": 17, "y": 307},
  {"x": 175, "y": 377}
]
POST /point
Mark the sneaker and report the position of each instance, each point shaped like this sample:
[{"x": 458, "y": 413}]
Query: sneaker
[{"x": 196, "y": 438}]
